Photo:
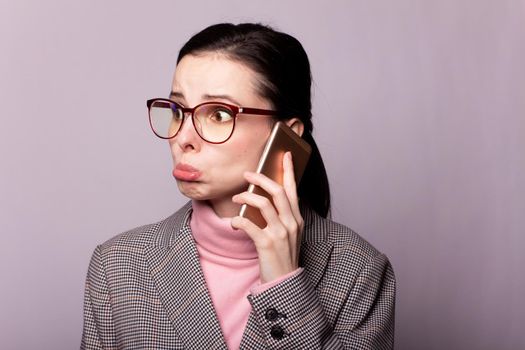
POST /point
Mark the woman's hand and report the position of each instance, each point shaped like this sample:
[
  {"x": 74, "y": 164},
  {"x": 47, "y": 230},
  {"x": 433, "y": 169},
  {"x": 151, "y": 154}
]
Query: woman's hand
[{"x": 279, "y": 242}]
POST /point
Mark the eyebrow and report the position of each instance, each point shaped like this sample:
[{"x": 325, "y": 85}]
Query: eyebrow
[
  {"x": 208, "y": 97},
  {"x": 176, "y": 94},
  {"x": 222, "y": 97}
]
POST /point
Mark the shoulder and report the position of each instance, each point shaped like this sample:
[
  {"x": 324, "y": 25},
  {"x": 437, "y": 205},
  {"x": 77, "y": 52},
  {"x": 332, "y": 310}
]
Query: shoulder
[
  {"x": 156, "y": 233},
  {"x": 334, "y": 247}
]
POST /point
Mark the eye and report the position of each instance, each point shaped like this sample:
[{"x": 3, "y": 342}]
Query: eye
[
  {"x": 178, "y": 115},
  {"x": 221, "y": 115}
]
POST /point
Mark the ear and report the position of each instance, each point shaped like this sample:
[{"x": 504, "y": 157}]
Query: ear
[{"x": 296, "y": 125}]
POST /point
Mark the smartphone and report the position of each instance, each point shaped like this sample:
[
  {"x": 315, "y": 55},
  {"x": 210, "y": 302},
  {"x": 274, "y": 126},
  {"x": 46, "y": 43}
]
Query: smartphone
[{"x": 281, "y": 140}]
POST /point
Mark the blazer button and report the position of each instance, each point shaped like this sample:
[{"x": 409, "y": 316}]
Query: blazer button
[
  {"x": 277, "y": 332},
  {"x": 271, "y": 314}
]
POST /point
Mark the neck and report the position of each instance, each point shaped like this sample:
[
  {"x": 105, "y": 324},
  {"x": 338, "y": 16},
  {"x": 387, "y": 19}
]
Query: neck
[
  {"x": 224, "y": 208},
  {"x": 216, "y": 236}
]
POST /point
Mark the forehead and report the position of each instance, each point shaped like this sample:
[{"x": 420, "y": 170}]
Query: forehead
[{"x": 215, "y": 74}]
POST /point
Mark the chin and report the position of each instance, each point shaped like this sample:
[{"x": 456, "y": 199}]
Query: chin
[
  {"x": 203, "y": 192},
  {"x": 195, "y": 190}
]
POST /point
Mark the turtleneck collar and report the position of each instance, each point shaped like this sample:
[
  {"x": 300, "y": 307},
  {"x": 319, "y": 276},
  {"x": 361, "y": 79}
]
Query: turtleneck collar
[{"x": 216, "y": 235}]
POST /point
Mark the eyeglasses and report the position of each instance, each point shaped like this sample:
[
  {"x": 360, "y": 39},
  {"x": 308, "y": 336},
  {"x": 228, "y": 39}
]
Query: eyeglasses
[{"x": 213, "y": 121}]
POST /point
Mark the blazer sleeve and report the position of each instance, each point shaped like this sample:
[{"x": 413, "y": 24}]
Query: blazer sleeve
[
  {"x": 98, "y": 330},
  {"x": 292, "y": 316}
]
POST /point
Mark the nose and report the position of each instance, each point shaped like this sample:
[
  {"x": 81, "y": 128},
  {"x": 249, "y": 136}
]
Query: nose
[{"x": 187, "y": 138}]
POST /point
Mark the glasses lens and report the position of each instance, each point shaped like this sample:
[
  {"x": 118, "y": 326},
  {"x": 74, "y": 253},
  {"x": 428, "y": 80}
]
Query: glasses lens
[
  {"x": 214, "y": 122},
  {"x": 166, "y": 118}
]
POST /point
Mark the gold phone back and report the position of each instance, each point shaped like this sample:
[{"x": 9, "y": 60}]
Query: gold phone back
[{"x": 281, "y": 140}]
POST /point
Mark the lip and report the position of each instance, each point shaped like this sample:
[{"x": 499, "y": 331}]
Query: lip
[{"x": 186, "y": 172}]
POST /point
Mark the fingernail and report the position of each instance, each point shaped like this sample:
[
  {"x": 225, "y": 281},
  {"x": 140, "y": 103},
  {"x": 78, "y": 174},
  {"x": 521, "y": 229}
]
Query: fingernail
[{"x": 232, "y": 223}]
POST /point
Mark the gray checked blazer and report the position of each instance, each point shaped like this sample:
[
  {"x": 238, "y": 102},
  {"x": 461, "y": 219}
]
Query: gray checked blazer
[{"x": 145, "y": 290}]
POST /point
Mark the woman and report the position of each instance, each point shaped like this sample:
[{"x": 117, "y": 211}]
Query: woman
[{"x": 205, "y": 278}]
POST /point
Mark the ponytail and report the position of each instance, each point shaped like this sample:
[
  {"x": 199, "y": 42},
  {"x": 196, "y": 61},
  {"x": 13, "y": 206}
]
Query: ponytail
[{"x": 313, "y": 189}]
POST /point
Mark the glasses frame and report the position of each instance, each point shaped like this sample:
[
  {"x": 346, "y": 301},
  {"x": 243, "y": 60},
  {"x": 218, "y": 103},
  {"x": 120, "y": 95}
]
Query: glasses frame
[{"x": 185, "y": 110}]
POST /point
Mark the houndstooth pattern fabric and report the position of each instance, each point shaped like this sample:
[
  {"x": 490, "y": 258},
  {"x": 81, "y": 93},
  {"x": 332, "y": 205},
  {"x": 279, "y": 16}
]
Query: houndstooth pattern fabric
[{"x": 145, "y": 290}]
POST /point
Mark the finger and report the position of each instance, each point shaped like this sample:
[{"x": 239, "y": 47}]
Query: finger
[
  {"x": 291, "y": 191},
  {"x": 290, "y": 233},
  {"x": 278, "y": 194},
  {"x": 254, "y": 231},
  {"x": 290, "y": 186},
  {"x": 264, "y": 205}
]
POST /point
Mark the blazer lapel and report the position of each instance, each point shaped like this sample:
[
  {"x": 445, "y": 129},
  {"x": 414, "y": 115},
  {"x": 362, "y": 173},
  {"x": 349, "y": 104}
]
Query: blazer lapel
[{"x": 174, "y": 264}]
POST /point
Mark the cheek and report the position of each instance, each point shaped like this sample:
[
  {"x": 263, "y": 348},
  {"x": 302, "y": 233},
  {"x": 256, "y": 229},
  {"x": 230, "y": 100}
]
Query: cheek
[
  {"x": 238, "y": 158},
  {"x": 251, "y": 148},
  {"x": 248, "y": 153}
]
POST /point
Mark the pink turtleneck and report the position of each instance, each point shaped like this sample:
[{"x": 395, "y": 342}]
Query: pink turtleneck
[{"x": 231, "y": 269}]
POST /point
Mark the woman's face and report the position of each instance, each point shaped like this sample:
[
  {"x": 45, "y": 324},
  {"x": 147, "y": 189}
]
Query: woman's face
[{"x": 214, "y": 172}]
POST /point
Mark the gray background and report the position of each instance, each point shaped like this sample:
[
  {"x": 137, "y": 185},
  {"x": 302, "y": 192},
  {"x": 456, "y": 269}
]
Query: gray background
[{"x": 419, "y": 113}]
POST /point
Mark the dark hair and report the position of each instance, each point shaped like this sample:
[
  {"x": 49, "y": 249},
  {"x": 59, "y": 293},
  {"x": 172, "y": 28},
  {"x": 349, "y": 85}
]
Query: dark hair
[{"x": 285, "y": 80}]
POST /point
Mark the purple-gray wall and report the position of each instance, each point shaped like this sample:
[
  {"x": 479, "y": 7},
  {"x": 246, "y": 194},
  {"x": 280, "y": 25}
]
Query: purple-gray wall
[{"x": 419, "y": 113}]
